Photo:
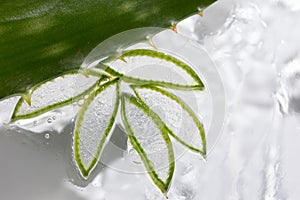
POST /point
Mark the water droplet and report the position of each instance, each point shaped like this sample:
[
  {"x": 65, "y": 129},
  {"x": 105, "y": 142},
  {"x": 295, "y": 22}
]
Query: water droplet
[
  {"x": 188, "y": 168},
  {"x": 80, "y": 102},
  {"x": 54, "y": 118},
  {"x": 130, "y": 152},
  {"x": 133, "y": 156},
  {"x": 86, "y": 96},
  {"x": 35, "y": 123},
  {"x": 184, "y": 192},
  {"x": 47, "y": 136},
  {"x": 49, "y": 120},
  {"x": 279, "y": 74}
]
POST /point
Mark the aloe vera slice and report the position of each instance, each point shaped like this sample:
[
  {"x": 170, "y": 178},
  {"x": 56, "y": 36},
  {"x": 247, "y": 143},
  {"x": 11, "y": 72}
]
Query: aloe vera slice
[
  {"x": 56, "y": 93},
  {"x": 182, "y": 122},
  {"x": 157, "y": 68},
  {"x": 148, "y": 135},
  {"x": 93, "y": 125}
]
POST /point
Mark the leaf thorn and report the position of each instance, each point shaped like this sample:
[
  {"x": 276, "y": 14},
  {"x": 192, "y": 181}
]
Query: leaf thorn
[
  {"x": 85, "y": 72},
  {"x": 27, "y": 98},
  {"x": 122, "y": 59},
  {"x": 149, "y": 40},
  {"x": 151, "y": 44},
  {"x": 174, "y": 28},
  {"x": 200, "y": 13}
]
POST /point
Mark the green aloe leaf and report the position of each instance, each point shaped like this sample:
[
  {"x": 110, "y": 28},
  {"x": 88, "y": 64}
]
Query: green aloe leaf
[
  {"x": 55, "y": 93},
  {"x": 181, "y": 121},
  {"x": 146, "y": 58},
  {"x": 93, "y": 125},
  {"x": 149, "y": 137},
  {"x": 42, "y": 39}
]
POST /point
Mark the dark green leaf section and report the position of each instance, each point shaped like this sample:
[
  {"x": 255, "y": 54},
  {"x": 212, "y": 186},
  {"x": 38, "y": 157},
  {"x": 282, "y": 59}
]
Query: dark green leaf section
[
  {"x": 162, "y": 185},
  {"x": 186, "y": 108},
  {"x": 42, "y": 39},
  {"x": 77, "y": 157}
]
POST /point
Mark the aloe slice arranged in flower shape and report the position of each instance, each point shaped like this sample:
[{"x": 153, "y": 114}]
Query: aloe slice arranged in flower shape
[
  {"x": 148, "y": 129},
  {"x": 149, "y": 137},
  {"x": 56, "y": 93},
  {"x": 186, "y": 129},
  {"x": 93, "y": 125},
  {"x": 131, "y": 59}
]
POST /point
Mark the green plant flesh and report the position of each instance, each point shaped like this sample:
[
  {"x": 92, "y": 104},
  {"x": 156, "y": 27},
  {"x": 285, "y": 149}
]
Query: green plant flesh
[{"x": 41, "y": 39}]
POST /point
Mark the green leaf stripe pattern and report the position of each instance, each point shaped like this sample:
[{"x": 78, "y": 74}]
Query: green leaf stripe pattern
[
  {"x": 185, "y": 107},
  {"x": 197, "y": 85},
  {"x": 87, "y": 111},
  {"x": 101, "y": 92},
  {"x": 162, "y": 185},
  {"x": 48, "y": 95}
]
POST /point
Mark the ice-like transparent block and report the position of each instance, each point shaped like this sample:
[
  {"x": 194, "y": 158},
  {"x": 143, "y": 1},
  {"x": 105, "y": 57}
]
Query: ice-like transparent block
[
  {"x": 148, "y": 68},
  {"x": 54, "y": 92},
  {"x": 174, "y": 116},
  {"x": 149, "y": 135},
  {"x": 92, "y": 123}
]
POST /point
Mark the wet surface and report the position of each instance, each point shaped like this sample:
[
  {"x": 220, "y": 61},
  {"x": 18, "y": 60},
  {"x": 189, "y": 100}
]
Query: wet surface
[{"x": 255, "y": 47}]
